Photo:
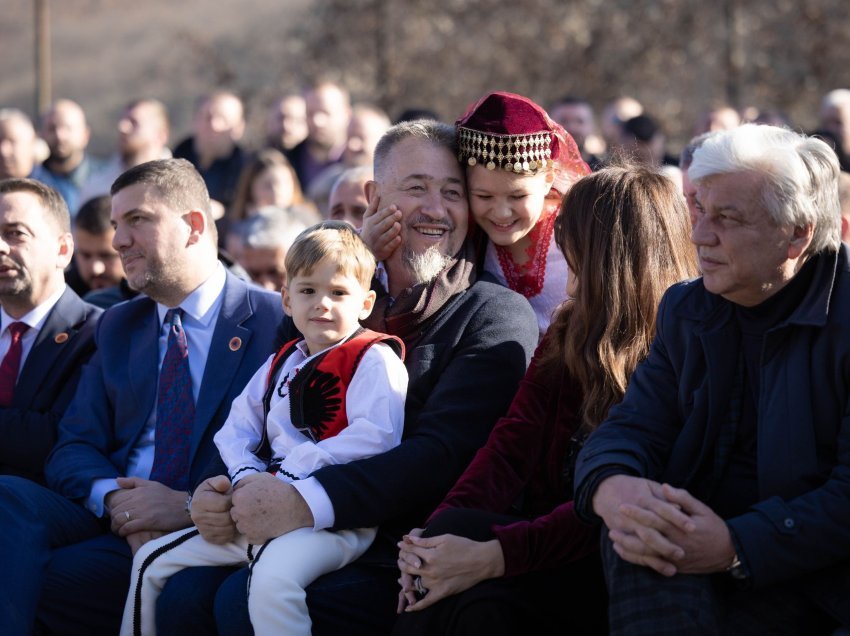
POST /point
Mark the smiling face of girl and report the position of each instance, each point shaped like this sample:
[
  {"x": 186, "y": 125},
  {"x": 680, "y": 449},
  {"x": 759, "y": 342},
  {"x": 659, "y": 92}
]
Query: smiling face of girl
[{"x": 507, "y": 205}]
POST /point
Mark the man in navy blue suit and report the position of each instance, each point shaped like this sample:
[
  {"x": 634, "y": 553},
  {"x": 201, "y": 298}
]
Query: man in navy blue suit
[
  {"x": 137, "y": 436},
  {"x": 46, "y": 331}
]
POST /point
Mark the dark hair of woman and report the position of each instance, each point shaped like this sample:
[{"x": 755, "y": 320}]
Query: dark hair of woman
[{"x": 626, "y": 236}]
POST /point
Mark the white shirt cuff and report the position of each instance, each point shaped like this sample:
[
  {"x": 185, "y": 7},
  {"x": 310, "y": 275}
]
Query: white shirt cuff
[
  {"x": 317, "y": 501},
  {"x": 96, "y": 503}
]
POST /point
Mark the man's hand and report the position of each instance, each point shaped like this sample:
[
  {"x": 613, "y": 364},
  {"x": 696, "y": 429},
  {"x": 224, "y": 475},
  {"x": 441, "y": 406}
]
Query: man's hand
[
  {"x": 138, "y": 539},
  {"x": 448, "y": 565},
  {"x": 381, "y": 229},
  {"x": 708, "y": 547},
  {"x": 264, "y": 507},
  {"x": 211, "y": 503},
  {"x": 144, "y": 505},
  {"x": 641, "y": 522}
]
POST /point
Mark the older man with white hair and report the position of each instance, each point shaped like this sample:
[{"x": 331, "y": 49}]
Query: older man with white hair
[{"x": 723, "y": 478}]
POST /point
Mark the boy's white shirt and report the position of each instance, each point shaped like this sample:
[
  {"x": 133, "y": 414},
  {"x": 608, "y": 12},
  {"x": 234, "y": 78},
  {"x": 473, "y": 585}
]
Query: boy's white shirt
[{"x": 375, "y": 411}]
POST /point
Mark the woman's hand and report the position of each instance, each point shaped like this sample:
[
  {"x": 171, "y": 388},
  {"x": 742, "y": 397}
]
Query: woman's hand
[
  {"x": 407, "y": 595},
  {"x": 447, "y": 565}
]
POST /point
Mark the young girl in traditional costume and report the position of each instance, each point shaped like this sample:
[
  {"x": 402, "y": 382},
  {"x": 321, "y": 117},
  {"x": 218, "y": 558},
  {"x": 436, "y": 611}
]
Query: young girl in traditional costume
[{"x": 519, "y": 165}]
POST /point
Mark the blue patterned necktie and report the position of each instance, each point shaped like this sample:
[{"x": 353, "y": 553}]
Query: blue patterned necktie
[{"x": 175, "y": 409}]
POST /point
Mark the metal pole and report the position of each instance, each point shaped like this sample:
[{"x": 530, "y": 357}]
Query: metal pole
[{"x": 44, "y": 81}]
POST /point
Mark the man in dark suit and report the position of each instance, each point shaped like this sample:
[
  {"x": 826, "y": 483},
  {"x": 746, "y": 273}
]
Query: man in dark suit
[
  {"x": 723, "y": 478},
  {"x": 46, "y": 331},
  {"x": 137, "y": 436},
  {"x": 468, "y": 342}
]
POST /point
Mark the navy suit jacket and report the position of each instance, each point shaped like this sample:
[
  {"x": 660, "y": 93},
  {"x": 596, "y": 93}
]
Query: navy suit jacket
[
  {"x": 46, "y": 385},
  {"x": 668, "y": 423},
  {"x": 118, "y": 388}
]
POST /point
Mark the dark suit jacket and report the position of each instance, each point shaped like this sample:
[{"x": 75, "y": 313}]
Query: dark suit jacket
[
  {"x": 463, "y": 373},
  {"x": 668, "y": 424},
  {"x": 45, "y": 386},
  {"x": 118, "y": 388}
]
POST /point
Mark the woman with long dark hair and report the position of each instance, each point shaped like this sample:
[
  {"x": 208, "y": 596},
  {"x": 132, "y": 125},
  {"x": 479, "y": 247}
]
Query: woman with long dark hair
[{"x": 505, "y": 551}]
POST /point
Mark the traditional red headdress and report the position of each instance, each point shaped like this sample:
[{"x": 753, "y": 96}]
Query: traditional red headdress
[{"x": 511, "y": 132}]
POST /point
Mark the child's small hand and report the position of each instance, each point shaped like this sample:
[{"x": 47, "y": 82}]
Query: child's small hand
[
  {"x": 247, "y": 479},
  {"x": 381, "y": 229}
]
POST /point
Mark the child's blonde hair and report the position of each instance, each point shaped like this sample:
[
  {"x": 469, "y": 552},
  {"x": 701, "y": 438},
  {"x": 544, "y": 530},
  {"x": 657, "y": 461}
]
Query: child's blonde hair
[{"x": 335, "y": 241}]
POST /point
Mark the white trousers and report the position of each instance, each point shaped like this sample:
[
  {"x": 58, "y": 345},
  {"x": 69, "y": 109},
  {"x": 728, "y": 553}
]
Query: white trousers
[{"x": 280, "y": 571}]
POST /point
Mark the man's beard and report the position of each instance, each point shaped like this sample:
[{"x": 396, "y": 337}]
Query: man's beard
[
  {"x": 21, "y": 284},
  {"x": 425, "y": 266}
]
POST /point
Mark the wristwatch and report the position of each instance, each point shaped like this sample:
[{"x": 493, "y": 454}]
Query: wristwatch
[
  {"x": 736, "y": 569},
  {"x": 187, "y": 507}
]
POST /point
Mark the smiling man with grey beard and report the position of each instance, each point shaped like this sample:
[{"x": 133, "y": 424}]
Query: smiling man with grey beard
[{"x": 468, "y": 342}]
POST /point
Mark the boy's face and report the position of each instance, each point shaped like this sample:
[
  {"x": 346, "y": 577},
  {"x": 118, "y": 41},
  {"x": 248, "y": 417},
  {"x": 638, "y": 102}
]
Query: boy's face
[{"x": 326, "y": 305}]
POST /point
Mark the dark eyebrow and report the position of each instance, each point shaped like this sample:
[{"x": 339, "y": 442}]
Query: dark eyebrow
[{"x": 428, "y": 177}]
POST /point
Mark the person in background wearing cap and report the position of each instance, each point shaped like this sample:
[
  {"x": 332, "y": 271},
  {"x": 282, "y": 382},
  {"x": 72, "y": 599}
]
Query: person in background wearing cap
[{"x": 519, "y": 164}]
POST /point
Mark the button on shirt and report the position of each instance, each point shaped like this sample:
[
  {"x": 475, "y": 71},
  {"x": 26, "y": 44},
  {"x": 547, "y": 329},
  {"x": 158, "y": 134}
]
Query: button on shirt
[
  {"x": 200, "y": 314},
  {"x": 35, "y": 319}
]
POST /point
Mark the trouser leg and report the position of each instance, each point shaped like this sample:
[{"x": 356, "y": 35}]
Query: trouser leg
[
  {"x": 158, "y": 560},
  {"x": 284, "y": 567}
]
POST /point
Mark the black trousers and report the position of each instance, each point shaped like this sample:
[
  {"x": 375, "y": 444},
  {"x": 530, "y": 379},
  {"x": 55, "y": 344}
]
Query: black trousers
[
  {"x": 645, "y": 602},
  {"x": 568, "y": 599}
]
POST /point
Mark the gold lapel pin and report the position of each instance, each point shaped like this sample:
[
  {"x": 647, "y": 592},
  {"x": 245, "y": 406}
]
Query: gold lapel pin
[
  {"x": 60, "y": 338},
  {"x": 235, "y": 344}
]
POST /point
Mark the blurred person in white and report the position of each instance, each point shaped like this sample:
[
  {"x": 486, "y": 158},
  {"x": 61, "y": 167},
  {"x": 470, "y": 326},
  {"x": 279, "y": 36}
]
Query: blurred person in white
[{"x": 143, "y": 130}]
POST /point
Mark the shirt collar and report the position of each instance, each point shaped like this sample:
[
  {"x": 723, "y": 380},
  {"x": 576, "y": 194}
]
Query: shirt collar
[
  {"x": 35, "y": 318},
  {"x": 201, "y": 303}
]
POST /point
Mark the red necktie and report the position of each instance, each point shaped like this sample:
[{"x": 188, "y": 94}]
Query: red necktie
[
  {"x": 175, "y": 409},
  {"x": 11, "y": 363}
]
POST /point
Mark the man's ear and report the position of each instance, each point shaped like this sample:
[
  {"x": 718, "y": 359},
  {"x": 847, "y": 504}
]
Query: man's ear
[
  {"x": 66, "y": 250},
  {"x": 800, "y": 240},
  {"x": 371, "y": 188},
  {"x": 197, "y": 221}
]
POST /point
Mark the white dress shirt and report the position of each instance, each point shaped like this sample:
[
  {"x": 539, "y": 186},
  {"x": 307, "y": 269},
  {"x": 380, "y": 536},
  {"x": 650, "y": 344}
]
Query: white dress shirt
[
  {"x": 200, "y": 314},
  {"x": 35, "y": 319}
]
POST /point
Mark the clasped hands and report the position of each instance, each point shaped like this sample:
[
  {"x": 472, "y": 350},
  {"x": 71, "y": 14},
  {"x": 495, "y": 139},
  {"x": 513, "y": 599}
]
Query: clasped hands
[
  {"x": 661, "y": 527},
  {"x": 141, "y": 510},
  {"x": 445, "y": 565},
  {"x": 260, "y": 506}
]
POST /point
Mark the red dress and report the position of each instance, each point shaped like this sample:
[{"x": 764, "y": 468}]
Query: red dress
[{"x": 524, "y": 457}]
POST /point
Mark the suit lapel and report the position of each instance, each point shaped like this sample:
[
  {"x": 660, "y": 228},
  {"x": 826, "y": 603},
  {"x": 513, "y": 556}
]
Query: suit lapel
[
  {"x": 229, "y": 343},
  {"x": 144, "y": 355},
  {"x": 66, "y": 315}
]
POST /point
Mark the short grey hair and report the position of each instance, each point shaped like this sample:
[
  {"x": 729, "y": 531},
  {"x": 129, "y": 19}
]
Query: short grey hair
[
  {"x": 271, "y": 227},
  {"x": 436, "y": 132},
  {"x": 801, "y": 176}
]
